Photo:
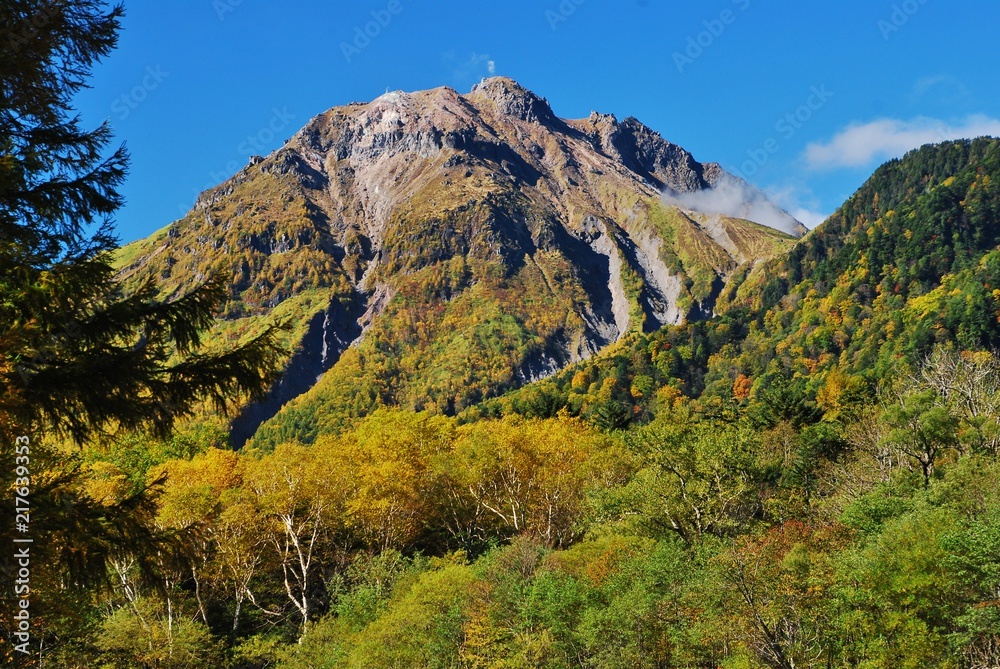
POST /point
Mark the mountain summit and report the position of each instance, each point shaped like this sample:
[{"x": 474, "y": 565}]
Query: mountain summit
[{"x": 438, "y": 247}]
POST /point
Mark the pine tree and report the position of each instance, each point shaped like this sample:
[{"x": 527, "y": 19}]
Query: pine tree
[
  {"x": 81, "y": 355},
  {"x": 77, "y": 354}
]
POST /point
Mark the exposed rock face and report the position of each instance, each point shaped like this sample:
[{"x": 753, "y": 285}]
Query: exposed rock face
[
  {"x": 644, "y": 152},
  {"x": 328, "y": 335},
  {"x": 510, "y": 99},
  {"x": 435, "y": 200}
]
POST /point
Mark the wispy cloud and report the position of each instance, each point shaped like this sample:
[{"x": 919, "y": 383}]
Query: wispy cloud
[
  {"x": 470, "y": 69},
  {"x": 861, "y": 144},
  {"x": 736, "y": 198},
  {"x": 943, "y": 88},
  {"x": 808, "y": 217},
  {"x": 798, "y": 200}
]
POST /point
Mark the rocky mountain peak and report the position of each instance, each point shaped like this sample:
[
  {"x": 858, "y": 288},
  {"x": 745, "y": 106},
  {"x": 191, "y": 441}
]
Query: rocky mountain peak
[
  {"x": 504, "y": 128},
  {"x": 432, "y": 221},
  {"x": 510, "y": 98}
]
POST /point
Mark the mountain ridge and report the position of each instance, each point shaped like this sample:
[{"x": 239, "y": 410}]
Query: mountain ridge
[
  {"x": 909, "y": 264},
  {"x": 431, "y": 210}
]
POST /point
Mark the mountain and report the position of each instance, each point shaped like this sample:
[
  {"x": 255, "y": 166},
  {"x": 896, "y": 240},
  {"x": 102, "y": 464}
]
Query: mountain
[
  {"x": 843, "y": 399},
  {"x": 432, "y": 249},
  {"x": 910, "y": 262}
]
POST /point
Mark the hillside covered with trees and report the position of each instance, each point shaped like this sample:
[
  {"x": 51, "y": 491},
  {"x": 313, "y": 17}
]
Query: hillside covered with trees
[{"x": 807, "y": 477}]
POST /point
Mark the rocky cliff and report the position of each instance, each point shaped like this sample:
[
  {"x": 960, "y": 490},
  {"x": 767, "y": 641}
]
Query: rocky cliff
[{"x": 474, "y": 242}]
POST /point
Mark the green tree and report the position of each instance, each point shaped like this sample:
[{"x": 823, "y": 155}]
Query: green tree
[
  {"x": 80, "y": 355},
  {"x": 146, "y": 636},
  {"x": 922, "y": 428},
  {"x": 698, "y": 478}
]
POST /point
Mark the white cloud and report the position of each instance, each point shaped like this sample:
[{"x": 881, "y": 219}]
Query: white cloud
[
  {"x": 808, "y": 217},
  {"x": 471, "y": 68},
  {"x": 800, "y": 201},
  {"x": 734, "y": 197},
  {"x": 861, "y": 144},
  {"x": 943, "y": 88}
]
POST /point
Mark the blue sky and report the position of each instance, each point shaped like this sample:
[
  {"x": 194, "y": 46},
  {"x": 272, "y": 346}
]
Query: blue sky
[{"x": 802, "y": 99}]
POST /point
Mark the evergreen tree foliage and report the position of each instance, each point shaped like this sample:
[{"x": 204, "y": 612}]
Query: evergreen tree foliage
[{"x": 81, "y": 356}]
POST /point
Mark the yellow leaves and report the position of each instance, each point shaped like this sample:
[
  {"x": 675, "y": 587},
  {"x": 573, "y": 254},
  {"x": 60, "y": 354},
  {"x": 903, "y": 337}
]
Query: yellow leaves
[
  {"x": 890, "y": 329},
  {"x": 531, "y": 475},
  {"x": 289, "y": 480},
  {"x": 924, "y": 305},
  {"x": 484, "y": 642},
  {"x": 394, "y": 475},
  {"x": 716, "y": 359},
  {"x": 741, "y": 387},
  {"x": 581, "y": 380},
  {"x": 106, "y": 483},
  {"x": 385, "y": 462},
  {"x": 908, "y": 234},
  {"x": 979, "y": 358},
  {"x": 837, "y": 388},
  {"x": 809, "y": 364},
  {"x": 607, "y": 390},
  {"x": 193, "y": 488},
  {"x": 669, "y": 397}
]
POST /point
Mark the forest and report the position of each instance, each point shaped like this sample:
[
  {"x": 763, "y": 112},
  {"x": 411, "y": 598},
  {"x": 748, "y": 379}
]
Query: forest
[
  {"x": 863, "y": 534},
  {"x": 807, "y": 479}
]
